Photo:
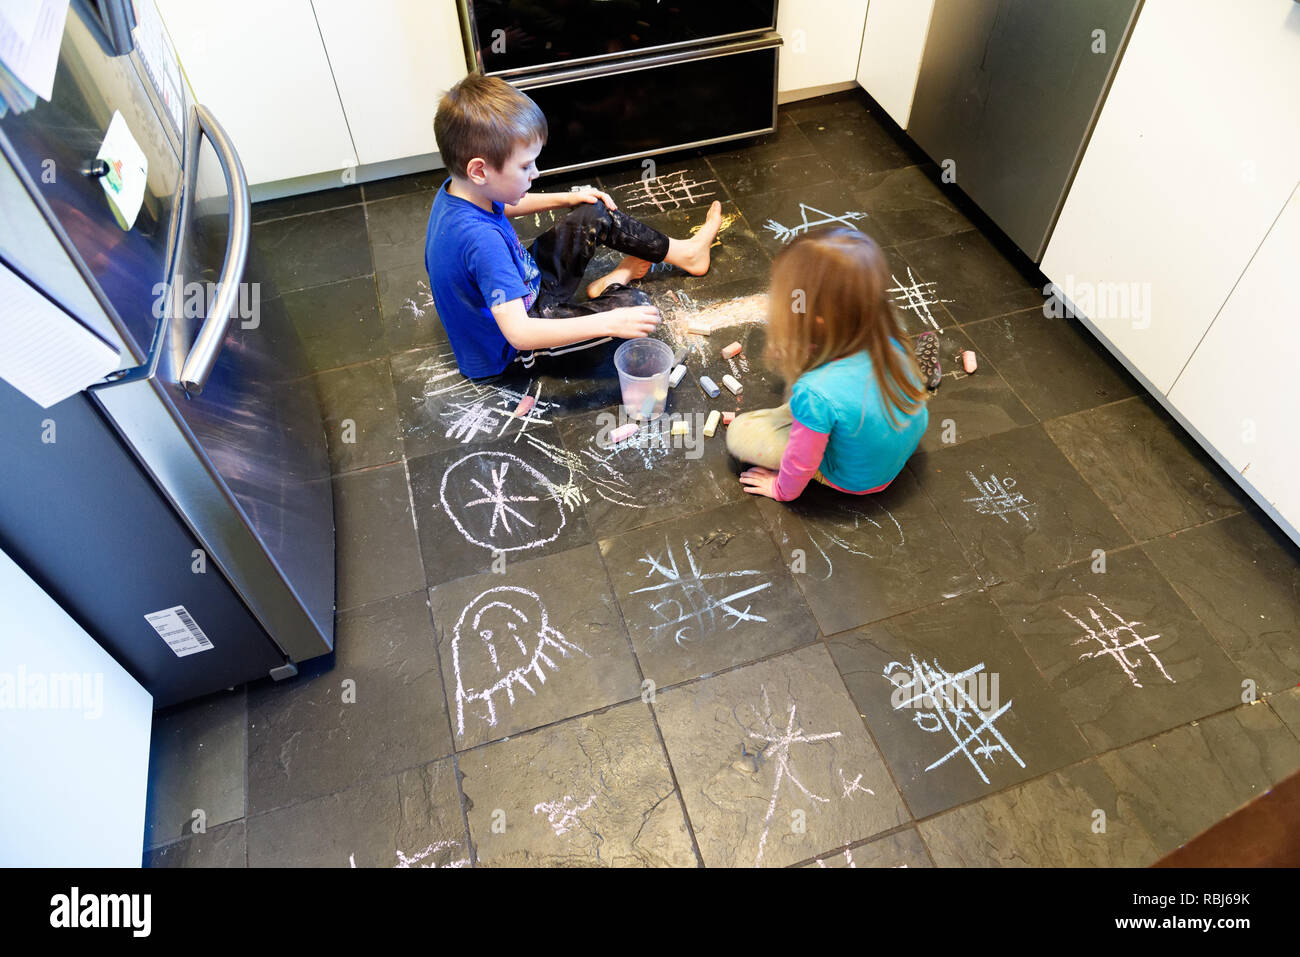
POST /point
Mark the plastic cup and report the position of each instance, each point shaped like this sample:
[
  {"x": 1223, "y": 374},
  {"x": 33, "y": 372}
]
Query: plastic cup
[{"x": 643, "y": 366}]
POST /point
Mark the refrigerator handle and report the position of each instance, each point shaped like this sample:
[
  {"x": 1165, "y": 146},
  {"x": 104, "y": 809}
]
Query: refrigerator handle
[{"x": 207, "y": 346}]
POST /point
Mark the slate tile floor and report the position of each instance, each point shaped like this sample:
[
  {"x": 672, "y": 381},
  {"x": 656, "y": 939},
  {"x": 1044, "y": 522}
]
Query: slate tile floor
[{"x": 656, "y": 669}]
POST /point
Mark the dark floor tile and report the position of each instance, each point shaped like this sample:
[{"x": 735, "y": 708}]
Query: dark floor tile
[
  {"x": 967, "y": 407},
  {"x": 1124, "y": 655},
  {"x": 774, "y": 764},
  {"x": 377, "y": 552},
  {"x": 786, "y": 142},
  {"x": 588, "y": 792},
  {"x": 1242, "y": 578},
  {"x": 909, "y": 206},
  {"x": 500, "y": 499},
  {"x": 303, "y": 203},
  {"x": 398, "y": 229},
  {"x": 409, "y": 819},
  {"x": 406, "y": 304},
  {"x": 338, "y": 323},
  {"x": 1055, "y": 365},
  {"x": 1016, "y": 504},
  {"x": 1145, "y": 467},
  {"x": 1286, "y": 705},
  {"x": 977, "y": 279},
  {"x": 856, "y": 144},
  {"x": 1189, "y": 779},
  {"x": 649, "y": 187},
  {"x": 224, "y": 846},
  {"x": 401, "y": 185},
  {"x": 197, "y": 753},
  {"x": 531, "y": 644},
  {"x": 360, "y": 416},
  {"x": 378, "y": 710},
  {"x": 901, "y": 849},
  {"x": 745, "y": 174},
  {"x": 1071, "y": 818},
  {"x": 705, "y": 592},
  {"x": 844, "y": 105},
  {"x": 954, "y": 703},
  {"x": 862, "y": 558},
  {"x": 312, "y": 250},
  {"x": 779, "y": 216}
]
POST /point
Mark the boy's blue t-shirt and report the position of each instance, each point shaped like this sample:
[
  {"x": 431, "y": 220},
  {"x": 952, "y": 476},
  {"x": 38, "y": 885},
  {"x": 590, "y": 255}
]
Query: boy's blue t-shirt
[
  {"x": 475, "y": 261},
  {"x": 842, "y": 399}
]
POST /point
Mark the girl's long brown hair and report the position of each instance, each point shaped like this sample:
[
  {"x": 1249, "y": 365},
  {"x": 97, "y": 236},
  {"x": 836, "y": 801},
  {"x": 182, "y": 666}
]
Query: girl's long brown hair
[{"x": 829, "y": 300}]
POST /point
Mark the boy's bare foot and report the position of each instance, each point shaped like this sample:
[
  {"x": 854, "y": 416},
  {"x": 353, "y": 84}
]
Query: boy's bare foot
[
  {"x": 692, "y": 255},
  {"x": 625, "y": 272}
]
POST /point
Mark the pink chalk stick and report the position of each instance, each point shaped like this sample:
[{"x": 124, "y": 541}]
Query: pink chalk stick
[
  {"x": 727, "y": 417},
  {"x": 524, "y": 407},
  {"x": 732, "y": 350},
  {"x": 968, "y": 361},
  {"x": 622, "y": 432}
]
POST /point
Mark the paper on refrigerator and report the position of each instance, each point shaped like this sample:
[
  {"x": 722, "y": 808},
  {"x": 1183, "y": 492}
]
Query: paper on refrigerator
[
  {"x": 128, "y": 171},
  {"x": 34, "y": 57}
]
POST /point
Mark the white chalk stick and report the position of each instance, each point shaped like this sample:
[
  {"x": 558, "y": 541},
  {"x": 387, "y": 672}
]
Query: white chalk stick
[
  {"x": 732, "y": 383},
  {"x": 676, "y": 376},
  {"x": 699, "y": 328},
  {"x": 680, "y": 427},
  {"x": 711, "y": 424}
]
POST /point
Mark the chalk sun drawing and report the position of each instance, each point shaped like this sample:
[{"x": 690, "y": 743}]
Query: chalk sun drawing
[
  {"x": 776, "y": 749},
  {"x": 670, "y": 191},
  {"x": 682, "y": 600},
  {"x": 1116, "y": 640},
  {"x": 942, "y": 703},
  {"x": 996, "y": 497},
  {"x": 563, "y": 814},
  {"x": 787, "y": 233},
  {"x": 515, "y": 520},
  {"x": 916, "y": 297},
  {"x": 502, "y": 625}
]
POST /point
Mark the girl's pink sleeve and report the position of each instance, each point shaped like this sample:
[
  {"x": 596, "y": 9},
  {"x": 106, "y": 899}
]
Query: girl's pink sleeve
[{"x": 800, "y": 462}]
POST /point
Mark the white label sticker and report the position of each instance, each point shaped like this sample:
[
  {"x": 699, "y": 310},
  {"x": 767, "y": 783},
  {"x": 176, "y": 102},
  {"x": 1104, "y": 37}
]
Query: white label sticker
[{"x": 177, "y": 628}]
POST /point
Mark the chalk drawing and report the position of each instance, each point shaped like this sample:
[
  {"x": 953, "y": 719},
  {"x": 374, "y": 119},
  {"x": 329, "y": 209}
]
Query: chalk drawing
[
  {"x": 670, "y": 191},
  {"x": 851, "y": 526},
  {"x": 777, "y": 750},
  {"x": 942, "y": 703},
  {"x": 512, "y": 618},
  {"x": 848, "y": 857},
  {"x": 682, "y": 600},
  {"x": 414, "y": 859},
  {"x": 679, "y": 315},
  {"x": 416, "y": 306},
  {"x": 475, "y": 408},
  {"x": 509, "y": 478},
  {"x": 850, "y": 787},
  {"x": 787, "y": 233},
  {"x": 1116, "y": 640},
  {"x": 728, "y": 220},
  {"x": 590, "y": 468},
  {"x": 996, "y": 497},
  {"x": 563, "y": 814},
  {"x": 916, "y": 297}
]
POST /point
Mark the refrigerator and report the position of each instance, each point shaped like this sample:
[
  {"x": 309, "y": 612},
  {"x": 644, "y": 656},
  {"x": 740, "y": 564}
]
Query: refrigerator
[{"x": 180, "y": 508}]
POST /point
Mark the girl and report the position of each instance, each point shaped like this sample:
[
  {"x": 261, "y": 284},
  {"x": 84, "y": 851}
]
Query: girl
[{"x": 856, "y": 409}]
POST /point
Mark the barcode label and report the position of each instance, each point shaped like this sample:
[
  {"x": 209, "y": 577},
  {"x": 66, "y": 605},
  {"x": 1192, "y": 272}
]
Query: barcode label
[{"x": 176, "y": 627}]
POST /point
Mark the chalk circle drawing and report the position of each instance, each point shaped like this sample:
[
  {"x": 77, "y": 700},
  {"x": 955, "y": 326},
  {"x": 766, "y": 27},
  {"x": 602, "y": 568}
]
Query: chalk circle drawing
[
  {"x": 682, "y": 599},
  {"x": 916, "y": 297},
  {"x": 999, "y": 497},
  {"x": 669, "y": 191},
  {"x": 863, "y": 528},
  {"x": 501, "y": 638},
  {"x": 786, "y": 233},
  {"x": 518, "y": 503},
  {"x": 941, "y": 703},
  {"x": 1115, "y": 639},
  {"x": 563, "y": 815}
]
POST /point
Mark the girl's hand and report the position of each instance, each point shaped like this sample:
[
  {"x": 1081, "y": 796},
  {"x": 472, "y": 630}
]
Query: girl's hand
[
  {"x": 759, "y": 481},
  {"x": 589, "y": 195}
]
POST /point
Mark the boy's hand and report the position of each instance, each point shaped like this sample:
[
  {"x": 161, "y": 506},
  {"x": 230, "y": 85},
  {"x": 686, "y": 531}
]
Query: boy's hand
[
  {"x": 631, "y": 322},
  {"x": 759, "y": 481},
  {"x": 589, "y": 195}
]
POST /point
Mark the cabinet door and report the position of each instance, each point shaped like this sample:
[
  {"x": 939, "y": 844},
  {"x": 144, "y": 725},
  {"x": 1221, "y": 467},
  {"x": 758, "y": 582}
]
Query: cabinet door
[
  {"x": 392, "y": 60},
  {"x": 892, "y": 45},
  {"x": 261, "y": 68},
  {"x": 1196, "y": 149},
  {"x": 1238, "y": 390},
  {"x": 822, "y": 41}
]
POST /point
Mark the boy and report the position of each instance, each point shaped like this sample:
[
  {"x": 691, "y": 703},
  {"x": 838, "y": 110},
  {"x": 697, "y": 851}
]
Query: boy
[{"x": 505, "y": 307}]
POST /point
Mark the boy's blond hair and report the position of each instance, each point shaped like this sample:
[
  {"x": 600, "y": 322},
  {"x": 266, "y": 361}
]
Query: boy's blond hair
[{"x": 485, "y": 116}]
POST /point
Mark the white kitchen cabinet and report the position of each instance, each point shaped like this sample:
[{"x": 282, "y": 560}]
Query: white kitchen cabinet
[
  {"x": 822, "y": 42},
  {"x": 1196, "y": 149},
  {"x": 893, "y": 44},
  {"x": 1237, "y": 390},
  {"x": 392, "y": 61}
]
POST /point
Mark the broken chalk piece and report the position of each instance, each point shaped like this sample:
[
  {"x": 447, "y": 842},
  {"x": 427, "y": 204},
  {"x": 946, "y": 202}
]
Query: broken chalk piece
[
  {"x": 727, "y": 417},
  {"x": 622, "y": 432},
  {"x": 732, "y": 383},
  {"x": 676, "y": 376},
  {"x": 699, "y": 328},
  {"x": 679, "y": 356},
  {"x": 709, "y": 386},
  {"x": 732, "y": 350},
  {"x": 711, "y": 424},
  {"x": 524, "y": 407},
  {"x": 968, "y": 361},
  {"x": 680, "y": 426}
]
